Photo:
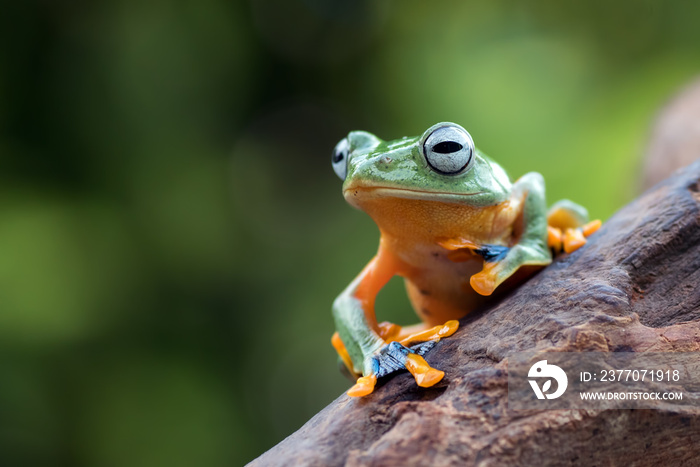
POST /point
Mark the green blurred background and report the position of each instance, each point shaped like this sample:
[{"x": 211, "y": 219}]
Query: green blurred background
[{"x": 172, "y": 234}]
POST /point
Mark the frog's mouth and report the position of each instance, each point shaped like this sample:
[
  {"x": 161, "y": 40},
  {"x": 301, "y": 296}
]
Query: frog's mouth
[{"x": 356, "y": 195}]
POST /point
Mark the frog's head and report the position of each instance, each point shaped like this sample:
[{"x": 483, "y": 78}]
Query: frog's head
[{"x": 441, "y": 165}]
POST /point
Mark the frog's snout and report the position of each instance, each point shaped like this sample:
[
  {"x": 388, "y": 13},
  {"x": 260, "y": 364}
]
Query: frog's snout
[{"x": 362, "y": 167}]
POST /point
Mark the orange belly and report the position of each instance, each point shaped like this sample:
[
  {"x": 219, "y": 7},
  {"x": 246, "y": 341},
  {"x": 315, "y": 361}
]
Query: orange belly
[
  {"x": 437, "y": 297},
  {"x": 438, "y": 287}
]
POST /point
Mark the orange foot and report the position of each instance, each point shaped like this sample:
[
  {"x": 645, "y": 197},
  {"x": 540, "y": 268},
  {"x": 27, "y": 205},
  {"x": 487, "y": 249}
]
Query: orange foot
[
  {"x": 570, "y": 239},
  {"x": 484, "y": 282},
  {"x": 432, "y": 334},
  {"x": 363, "y": 386},
  {"x": 424, "y": 374}
]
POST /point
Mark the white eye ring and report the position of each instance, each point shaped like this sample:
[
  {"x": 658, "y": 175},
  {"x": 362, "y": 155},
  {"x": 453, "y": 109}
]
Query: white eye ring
[
  {"x": 448, "y": 148},
  {"x": 340, "y": 158}
]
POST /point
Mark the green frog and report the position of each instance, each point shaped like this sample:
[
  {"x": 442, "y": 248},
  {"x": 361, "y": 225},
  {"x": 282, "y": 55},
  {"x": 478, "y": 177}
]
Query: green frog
[{"x": 454, "y": 227}]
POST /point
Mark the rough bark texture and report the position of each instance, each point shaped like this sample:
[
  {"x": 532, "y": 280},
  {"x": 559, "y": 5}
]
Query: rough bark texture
[{"x": 633, "y": 287}]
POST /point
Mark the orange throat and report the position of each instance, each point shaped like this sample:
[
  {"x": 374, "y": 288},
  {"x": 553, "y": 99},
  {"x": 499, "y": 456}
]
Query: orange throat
[{"x": 421, "y": 221}]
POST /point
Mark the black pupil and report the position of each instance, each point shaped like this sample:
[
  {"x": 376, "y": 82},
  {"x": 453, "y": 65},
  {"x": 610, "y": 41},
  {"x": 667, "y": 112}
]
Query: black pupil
[
  {"x": 447, "y": 147},
  {"x": 338, "y": 156}
]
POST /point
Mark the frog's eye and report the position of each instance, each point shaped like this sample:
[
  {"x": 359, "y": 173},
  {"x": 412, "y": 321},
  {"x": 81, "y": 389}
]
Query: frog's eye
[
  {"x": 340, "y": 158},
  {"x": 448, "y": 149}
]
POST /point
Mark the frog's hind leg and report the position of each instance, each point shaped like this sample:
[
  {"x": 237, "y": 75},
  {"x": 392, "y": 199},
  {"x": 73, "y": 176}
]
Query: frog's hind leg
[
  {"x": 344, "y": 361},
  {"x": 416, "y": 340},
  {"x": 568, "y": 226},
  {"x": 386, "y": 330},
  {"x": 419, "y": 339},
  {"x": 407, "y": 345}
]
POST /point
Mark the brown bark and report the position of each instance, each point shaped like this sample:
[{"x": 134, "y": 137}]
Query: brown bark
[{"x": 633, "y": 287}]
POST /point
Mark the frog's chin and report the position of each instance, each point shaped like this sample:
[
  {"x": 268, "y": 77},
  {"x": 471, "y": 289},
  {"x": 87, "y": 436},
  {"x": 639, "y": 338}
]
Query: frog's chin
[{"x": 357, "y": 195}]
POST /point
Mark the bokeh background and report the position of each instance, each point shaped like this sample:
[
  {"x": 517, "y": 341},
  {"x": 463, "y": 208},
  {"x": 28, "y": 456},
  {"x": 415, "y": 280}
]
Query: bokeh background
[{"x": 172, "y": 234}]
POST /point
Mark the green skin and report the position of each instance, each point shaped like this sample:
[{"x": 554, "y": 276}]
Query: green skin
[{"x": 483, "y": 183}]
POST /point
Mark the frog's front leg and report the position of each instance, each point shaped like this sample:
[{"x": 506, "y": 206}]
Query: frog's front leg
[
  {"x": 531, "y": 248},
  {"x": 359, "y": 339}
]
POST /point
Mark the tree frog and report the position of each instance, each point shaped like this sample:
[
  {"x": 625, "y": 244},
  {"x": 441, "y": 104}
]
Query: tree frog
[{"x": 453, "y": 226}]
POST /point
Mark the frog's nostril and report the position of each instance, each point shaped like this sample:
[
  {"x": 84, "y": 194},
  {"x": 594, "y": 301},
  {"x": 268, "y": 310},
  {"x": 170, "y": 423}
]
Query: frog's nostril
[{"x": 447, "y": 147}]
